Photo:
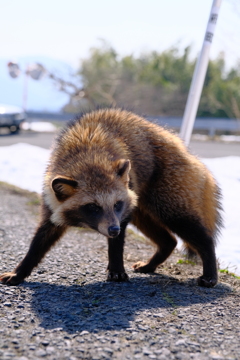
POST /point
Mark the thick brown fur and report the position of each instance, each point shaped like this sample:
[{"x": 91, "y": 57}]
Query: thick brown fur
[{"x": 110, "y": 167}]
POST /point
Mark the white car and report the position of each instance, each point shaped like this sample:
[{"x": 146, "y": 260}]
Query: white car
[{"x": 11, "y": 117}]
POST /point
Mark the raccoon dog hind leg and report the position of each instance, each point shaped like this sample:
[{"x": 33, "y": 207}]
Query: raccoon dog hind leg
[{"x": 184, "y": 200}]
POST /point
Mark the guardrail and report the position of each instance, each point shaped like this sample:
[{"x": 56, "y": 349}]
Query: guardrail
[
  {"x": 210, "y": 125},
  {"x": 31, "y": 115}
]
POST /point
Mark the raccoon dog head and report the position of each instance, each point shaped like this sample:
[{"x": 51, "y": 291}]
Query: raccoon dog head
[{"x": 99, "y": 198}]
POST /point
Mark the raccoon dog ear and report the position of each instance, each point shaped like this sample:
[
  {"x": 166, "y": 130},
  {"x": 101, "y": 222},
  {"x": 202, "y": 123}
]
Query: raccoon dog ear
[
  {"x": 123, "y": 167},
  {"x": 63, "y": 187}
]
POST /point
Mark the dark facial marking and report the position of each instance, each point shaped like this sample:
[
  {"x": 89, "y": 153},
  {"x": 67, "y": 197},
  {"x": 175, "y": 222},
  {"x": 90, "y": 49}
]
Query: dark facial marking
[
  {"x": 92, "y": 209},
  {"x": 89, "y": 214},
  {"x": 118, "y": 206}
]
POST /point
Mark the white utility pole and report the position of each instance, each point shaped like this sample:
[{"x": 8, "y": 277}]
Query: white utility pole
[{"x": 199, "y": 76}]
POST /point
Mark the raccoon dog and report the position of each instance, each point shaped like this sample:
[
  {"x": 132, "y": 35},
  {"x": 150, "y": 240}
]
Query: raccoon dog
[{"x": 111, "y": 167}]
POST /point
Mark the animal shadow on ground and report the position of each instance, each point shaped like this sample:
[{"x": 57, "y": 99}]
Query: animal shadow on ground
[{"x": 98, "y": 306}]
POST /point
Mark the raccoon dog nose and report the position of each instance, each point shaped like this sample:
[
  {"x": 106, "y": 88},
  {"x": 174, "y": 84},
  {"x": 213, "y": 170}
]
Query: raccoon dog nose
[{"x": 113, "y": 231}]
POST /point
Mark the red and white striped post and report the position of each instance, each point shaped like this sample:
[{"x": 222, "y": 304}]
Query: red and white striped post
[{"x": 199, "y": 76}]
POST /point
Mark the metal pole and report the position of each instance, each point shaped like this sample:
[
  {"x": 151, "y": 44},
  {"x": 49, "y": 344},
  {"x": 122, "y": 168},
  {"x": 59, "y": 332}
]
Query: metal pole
[{"x": 199, "y": 76}]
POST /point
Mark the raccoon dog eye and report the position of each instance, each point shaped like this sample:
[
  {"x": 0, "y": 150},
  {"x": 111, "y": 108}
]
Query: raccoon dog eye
[
  {"x": 118, "y": 206},
  {"x": 92, "y": 208}
]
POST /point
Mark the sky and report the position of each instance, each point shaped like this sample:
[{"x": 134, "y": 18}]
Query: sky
[
  {"x": 67, "y": 29},
  {"x": 59, "y": 35}
]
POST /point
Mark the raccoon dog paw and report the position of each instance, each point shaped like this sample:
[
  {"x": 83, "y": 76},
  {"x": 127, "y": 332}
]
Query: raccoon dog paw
[
  {"x": 142, "y": 267},
  {"x": 10, "y": 278},
  {"x": 206, "y": 281},
  {"x": 117, "y": 276}
]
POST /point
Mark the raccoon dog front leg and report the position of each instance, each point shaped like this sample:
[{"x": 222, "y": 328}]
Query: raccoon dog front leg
[
  {"x": 46, "y": 235},
  {"x": 116, "y": 271}
]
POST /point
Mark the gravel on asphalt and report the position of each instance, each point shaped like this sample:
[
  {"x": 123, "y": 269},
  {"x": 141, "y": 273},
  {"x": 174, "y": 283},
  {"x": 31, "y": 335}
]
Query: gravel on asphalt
[{"x": 67, "y": 310}]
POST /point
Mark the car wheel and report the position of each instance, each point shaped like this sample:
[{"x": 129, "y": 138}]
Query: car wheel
[{"x": 14, "y": 129}]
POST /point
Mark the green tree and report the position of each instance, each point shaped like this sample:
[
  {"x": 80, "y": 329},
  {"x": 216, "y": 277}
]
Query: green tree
[
  {"x": 221, "y": 91},
  {"x": 155, "y": 83}
]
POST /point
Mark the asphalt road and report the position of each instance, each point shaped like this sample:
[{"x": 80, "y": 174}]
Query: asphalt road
[
  {"x": 43, "y": 140},
  {"x": 66, "y": 310},
  {"x": 207, "y": 149}
]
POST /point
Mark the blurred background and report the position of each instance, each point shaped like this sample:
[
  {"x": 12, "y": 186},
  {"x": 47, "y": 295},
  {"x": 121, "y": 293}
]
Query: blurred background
[
  {"x": 58, "y": 58},
  {"x": 137, "y": 54}
]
